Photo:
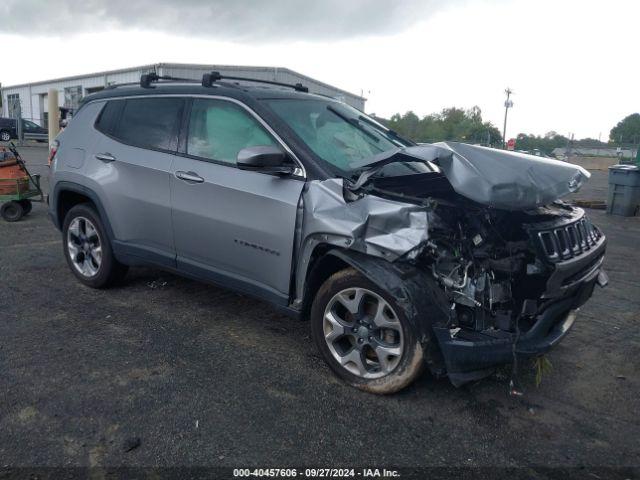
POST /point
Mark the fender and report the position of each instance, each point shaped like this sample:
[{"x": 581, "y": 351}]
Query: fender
[{"x": 415, "y": 291}]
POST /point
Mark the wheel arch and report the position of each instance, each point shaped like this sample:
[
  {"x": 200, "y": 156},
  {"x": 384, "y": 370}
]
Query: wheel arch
[
  {"x": 413, "y": 289},
  {"x": 322, "y": 264},
  {"x": 66, "y": 195}
]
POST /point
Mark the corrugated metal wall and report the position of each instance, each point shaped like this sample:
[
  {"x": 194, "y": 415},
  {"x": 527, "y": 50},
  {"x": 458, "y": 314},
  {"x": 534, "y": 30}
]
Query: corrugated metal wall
[
  {"x": 283, "y": 75},
  {"x": 33, "y": 97}
]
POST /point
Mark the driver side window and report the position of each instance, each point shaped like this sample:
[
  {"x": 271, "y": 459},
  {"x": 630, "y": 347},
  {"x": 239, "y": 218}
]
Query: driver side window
[{"x": 218, "y": 130}]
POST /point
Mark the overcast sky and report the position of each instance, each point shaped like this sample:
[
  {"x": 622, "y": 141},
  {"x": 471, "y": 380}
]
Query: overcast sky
[{"x": 573, "y": 64}]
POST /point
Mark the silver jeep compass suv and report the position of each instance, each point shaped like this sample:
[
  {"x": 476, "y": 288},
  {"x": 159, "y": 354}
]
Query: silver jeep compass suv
[{"x": 451, "y": 256}]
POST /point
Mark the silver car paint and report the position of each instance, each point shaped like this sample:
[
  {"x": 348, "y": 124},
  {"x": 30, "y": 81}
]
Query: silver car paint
[
  {"x": 243, "y": 224},
  {"x": 74, "y": 144},
  {"x": 373, "y": 225},
  {"x": 236, "y": 221},
  {"x": 492, "y": 177},
  {"x": 134, "y": 190}
]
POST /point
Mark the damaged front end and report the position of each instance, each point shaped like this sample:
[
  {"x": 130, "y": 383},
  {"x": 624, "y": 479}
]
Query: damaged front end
[
  {"x": 481, "y": 283},
  {"x": 513, "y": 282}
]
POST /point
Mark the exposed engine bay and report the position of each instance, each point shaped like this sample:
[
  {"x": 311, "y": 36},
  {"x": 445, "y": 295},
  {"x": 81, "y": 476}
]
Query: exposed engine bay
[{"x": 488, "y": 263}]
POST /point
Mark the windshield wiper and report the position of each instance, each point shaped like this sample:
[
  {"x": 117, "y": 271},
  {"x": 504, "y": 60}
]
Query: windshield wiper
[
  {"x": 364, "y": 177},
  {"x": 384, "y": 130},
  {"x": 425, "y": 155},
  {"x": 354, "y": 122}
]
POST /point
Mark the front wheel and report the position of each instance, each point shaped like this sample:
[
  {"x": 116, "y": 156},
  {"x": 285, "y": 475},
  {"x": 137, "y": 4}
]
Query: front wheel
[
  {"x": 364, "y": 335},
  {"x": 5, "y": 136},
  {"x": 88, "y": 249}
]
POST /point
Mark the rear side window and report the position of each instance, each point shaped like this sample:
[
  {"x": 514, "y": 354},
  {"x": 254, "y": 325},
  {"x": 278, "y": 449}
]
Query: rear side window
[
  {"x": 218, "y": 130},
  {"x": 150, "y": 123},
  {"x": 109, "y": 116}
]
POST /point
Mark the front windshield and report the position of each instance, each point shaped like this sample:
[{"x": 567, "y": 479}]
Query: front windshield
[{"x": 340, "y": 135}]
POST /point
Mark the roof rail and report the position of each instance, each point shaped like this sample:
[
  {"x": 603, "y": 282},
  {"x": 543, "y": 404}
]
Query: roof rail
[
  {"x": 208, "y": 79},
  {"x": 147, "y": 79}
]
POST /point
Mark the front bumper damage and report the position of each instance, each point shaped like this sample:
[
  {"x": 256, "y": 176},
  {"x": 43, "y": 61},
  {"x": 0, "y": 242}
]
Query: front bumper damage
[
  {"x": 460, "y": 281},
  {"x": 469, "y": 356}
]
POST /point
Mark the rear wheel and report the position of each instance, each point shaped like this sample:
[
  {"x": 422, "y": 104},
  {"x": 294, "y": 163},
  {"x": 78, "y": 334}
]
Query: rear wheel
[
  {"x": 12, "y": 211},
  {"x": 88, "y": 249},
  {"x": 5, "y": 136},
  {"x": 364, "y": 335}
]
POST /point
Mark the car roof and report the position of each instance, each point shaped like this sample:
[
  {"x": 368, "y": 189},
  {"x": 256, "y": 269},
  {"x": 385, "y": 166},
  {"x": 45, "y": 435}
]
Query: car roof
[{"x": 226, "y": 89}]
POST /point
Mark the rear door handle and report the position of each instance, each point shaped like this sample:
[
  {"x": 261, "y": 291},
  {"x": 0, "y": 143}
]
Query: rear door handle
[
  {"x": 191, "y": 177},
  {"x": 105, "y": 157}
]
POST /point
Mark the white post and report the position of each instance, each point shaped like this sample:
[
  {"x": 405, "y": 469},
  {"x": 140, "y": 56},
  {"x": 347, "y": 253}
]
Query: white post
[{"x": 54, "y": 115}]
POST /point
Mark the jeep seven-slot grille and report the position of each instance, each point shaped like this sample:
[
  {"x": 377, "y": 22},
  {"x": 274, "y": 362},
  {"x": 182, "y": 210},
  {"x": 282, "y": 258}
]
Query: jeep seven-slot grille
[{"x": 568, "y": 241}]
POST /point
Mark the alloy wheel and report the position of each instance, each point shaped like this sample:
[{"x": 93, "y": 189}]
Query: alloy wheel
[
  {"x": 363, "y": 333},
  {"x": 84, "y": 246}
]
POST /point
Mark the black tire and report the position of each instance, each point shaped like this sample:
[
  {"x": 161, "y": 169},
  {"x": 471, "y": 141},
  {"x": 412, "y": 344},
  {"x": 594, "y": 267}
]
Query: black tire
[
  {"x": 12, "y": 211},
  {"x": 110, "y": 271},
  {"x": 411, "y": 363},
  {"x": 5, "y": 135},
  {"x": 27, "y": 205}
]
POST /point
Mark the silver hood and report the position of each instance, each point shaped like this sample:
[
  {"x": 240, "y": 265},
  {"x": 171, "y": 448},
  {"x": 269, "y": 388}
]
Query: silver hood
[{"x": 497, "y": 178}]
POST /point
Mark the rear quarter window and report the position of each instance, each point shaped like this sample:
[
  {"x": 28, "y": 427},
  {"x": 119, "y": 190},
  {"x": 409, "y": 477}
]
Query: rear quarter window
[{"x": 108, "y": 117}]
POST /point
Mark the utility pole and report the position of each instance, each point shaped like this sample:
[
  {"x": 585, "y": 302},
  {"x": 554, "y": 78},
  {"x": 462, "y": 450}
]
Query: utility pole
[
  {"x": 507, "y": 105},
  {"x": 569, "y": 149}
]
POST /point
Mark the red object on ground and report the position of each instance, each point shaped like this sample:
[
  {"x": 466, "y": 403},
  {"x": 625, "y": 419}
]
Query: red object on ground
[
  {"x": 511, "y": 144},
  {"x": 13, "y": 179}
]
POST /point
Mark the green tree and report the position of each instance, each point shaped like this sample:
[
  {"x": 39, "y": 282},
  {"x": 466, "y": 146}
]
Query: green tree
[
  {"x": 407, "y": 124},
  {"x": 450, "y": 124},
  {"x": 627, "y": 130},
  {"x": 544, "y": 144}
]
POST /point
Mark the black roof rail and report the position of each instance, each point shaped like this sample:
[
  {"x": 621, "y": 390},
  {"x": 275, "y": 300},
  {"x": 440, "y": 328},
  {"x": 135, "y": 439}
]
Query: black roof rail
[
  {"x": 208, "y": 79},
  {"x": 124, "y": 84},
  {"x": 146, "y": 79}
]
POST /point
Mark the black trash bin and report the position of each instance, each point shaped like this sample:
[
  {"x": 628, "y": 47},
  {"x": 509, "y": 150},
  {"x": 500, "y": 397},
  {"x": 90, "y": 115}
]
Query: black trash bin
[{"x": 624, "y": 190}]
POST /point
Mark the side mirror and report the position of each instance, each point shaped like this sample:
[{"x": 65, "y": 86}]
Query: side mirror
[{"x": 265, "y": 158}]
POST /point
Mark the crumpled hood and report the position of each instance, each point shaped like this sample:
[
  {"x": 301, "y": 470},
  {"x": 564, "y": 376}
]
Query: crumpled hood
[{"x": 498, "y": 178}]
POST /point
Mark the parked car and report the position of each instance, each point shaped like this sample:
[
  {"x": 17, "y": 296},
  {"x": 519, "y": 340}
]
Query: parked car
[
  {"x": 9, "y": 130},
  {"x": 453, "y": 256}
]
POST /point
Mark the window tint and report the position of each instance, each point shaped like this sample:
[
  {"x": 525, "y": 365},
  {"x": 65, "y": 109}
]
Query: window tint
[
  {"x": 219, "y": 130},
  {"x": 150, "y": 122},
  {"x": 109, "y": 116}
]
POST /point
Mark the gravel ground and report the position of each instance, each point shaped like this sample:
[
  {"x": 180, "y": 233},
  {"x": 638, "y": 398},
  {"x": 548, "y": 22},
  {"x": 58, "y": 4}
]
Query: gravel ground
[{"x": 203, "y": 377}]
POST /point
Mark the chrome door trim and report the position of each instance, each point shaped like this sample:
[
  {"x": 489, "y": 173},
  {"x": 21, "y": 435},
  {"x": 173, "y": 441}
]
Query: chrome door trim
[
  {"x": 105, "y": 157},
  {"x": 191, "y": 177},
  {"x": 300, "y": 171}
]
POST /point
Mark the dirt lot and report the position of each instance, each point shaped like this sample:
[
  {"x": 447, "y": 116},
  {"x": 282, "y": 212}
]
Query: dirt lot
[{"x": 205, "y": 377}]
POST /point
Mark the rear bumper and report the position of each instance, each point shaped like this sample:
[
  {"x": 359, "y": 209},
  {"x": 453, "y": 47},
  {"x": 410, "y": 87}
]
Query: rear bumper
[{"x": 472, "y": 355}]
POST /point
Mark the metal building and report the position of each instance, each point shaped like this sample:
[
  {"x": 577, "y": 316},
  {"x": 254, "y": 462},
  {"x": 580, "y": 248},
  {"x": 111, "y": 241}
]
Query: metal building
[{"x": 32, "y": 97}]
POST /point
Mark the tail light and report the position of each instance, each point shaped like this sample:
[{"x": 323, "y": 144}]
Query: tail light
[{"x": 52, "y": 150}]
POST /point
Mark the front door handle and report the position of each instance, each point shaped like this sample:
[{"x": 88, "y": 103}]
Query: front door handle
[
  {"x": 191, "y": 177},
  {"x": 105, "y": 157}
]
